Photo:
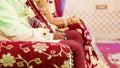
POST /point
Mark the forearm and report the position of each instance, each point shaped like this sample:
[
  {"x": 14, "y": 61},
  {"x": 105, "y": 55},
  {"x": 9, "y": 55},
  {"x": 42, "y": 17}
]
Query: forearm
[
  {"x": 45, "y": 9},
  {"x": 59, "y": 22}
]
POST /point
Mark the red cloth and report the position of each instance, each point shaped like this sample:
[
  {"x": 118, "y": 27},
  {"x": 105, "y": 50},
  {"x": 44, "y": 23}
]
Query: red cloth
[
  {"x": 59, "y": 6},
  {"x": 39, "y": 16},
  {"x": 78, "y": 53},
  {"x": 86, "y": 39},
  {"x": 72, "y": 34},
  {"x": 24, "y": 54}
]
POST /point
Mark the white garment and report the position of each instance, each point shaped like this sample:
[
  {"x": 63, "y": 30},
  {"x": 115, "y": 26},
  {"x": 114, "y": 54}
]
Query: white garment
[{"x": 14, "y": 24}]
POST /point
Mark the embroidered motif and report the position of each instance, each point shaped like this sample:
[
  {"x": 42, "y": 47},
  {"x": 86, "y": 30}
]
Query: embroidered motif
[
  {"x": 7, "y": 60},
  {"x": 8, "y": 47},
  {"x": 16, "y": 59},
  {"x": 25, "y": 49},
  {"x": 66, "y": 64},
  {"x": 40, "y": 47}
]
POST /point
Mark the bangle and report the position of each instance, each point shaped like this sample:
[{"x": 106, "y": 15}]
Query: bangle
[
  {"x": 43, "y": 10},
  {"x": 65, "y": 36},
  {"x": 65, "y": 24}
]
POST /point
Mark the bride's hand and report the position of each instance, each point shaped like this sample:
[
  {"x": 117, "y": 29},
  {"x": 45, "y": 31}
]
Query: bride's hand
[
  {"x": 73, "y": 20},
  {"x": 59, "y": 35}
]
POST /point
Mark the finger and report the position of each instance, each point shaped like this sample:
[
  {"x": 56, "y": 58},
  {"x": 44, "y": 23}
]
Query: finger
[{"x": 69, "y": 21}]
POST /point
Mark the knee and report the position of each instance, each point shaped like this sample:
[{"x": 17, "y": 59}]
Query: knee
[
  {"x": 74, "y": 35},
  {"x": 75, "y": 46}
]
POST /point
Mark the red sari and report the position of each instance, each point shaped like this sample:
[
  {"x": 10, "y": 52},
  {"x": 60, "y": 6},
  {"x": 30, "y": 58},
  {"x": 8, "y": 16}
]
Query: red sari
[{"x": 76, "y": 40}]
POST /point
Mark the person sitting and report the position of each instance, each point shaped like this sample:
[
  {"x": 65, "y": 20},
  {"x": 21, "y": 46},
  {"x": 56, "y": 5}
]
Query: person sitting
[
  {"x": 72, "y": 28},
  {"x": 15, "y": 17}
]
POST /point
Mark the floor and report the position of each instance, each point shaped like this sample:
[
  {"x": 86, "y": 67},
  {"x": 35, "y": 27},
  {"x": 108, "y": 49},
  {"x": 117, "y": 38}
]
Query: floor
[{"x": 102, "y": 62}]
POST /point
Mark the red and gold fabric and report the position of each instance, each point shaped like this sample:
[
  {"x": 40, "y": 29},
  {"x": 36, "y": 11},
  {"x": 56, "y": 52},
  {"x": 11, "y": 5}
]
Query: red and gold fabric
[
  {"x": 34, "y": 55},
  {"x": 77, "y": 32}
]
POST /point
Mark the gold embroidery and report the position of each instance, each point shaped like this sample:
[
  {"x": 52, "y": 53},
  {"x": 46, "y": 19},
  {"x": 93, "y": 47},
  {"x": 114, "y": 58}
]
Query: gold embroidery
[
  {"x": 8, "y": 60},
  {"x": 25, "y": 49},
  {"x": 38, "y": 47},
  {"x": 8, "y": 47},
  {"x": 66, "y": 64},
  {"x": 41, "y": 48},
  {"x": 19, "y": 64}
]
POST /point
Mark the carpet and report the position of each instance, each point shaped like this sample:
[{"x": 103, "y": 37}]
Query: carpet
[{"x": 111, "y": 53}]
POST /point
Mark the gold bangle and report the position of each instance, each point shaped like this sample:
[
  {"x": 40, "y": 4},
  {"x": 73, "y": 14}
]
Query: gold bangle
[
  {"x": 65, "y": 24},
  {"x": 65, "y": 38},
  {"x": 43, "y": 10}
]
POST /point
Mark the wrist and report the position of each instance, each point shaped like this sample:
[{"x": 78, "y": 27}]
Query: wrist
[{"x": 65, "y": 23}]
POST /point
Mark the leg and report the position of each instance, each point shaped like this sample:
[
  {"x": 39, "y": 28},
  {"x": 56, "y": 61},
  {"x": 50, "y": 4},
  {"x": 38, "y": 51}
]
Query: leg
[
  {"x": 78, "y": 53},
  {"x": 74, "y": 35}
]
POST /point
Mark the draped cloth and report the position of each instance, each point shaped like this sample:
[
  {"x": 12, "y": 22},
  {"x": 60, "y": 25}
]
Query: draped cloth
[
  {"x": 27, "y": 54},
  {"x": 59, "y": 5},
  {"x": 76, "y": 32},
  {"x": 38, "y": 15},
  {"x": 87, "y": 43},
  {"x": 22, "y": 54},
  {"x": 33, "y": 54}
]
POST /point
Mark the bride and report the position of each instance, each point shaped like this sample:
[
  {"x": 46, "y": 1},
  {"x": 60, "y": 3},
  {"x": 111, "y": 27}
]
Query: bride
[{"x": 73, "y": 28}]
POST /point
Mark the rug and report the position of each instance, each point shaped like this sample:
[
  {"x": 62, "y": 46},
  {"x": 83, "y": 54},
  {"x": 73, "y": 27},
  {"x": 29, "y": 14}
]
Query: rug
[{"x": 111, "y": 53}]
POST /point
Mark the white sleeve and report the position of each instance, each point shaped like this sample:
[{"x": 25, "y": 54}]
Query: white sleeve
[{"x": 11, "y": 27}]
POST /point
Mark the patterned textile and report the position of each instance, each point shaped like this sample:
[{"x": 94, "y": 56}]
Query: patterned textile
[
  {"x": 114, "y": 59},
  {"x": 38, "y": 15},
  {"x": 80, "y": 28},
  {"x": 59, "y": 5},
  {"x": 87, "y": 43},
  {"x": 34, "y": 54},
  {"x": 111, "y": 53}
]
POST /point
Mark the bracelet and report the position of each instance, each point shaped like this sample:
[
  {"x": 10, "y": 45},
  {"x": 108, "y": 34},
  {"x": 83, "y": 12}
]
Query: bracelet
[
  {"x": 65, "y": 38},
  {"x": 65, "y": 24},
  {"x": 43, "y": 10}
]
